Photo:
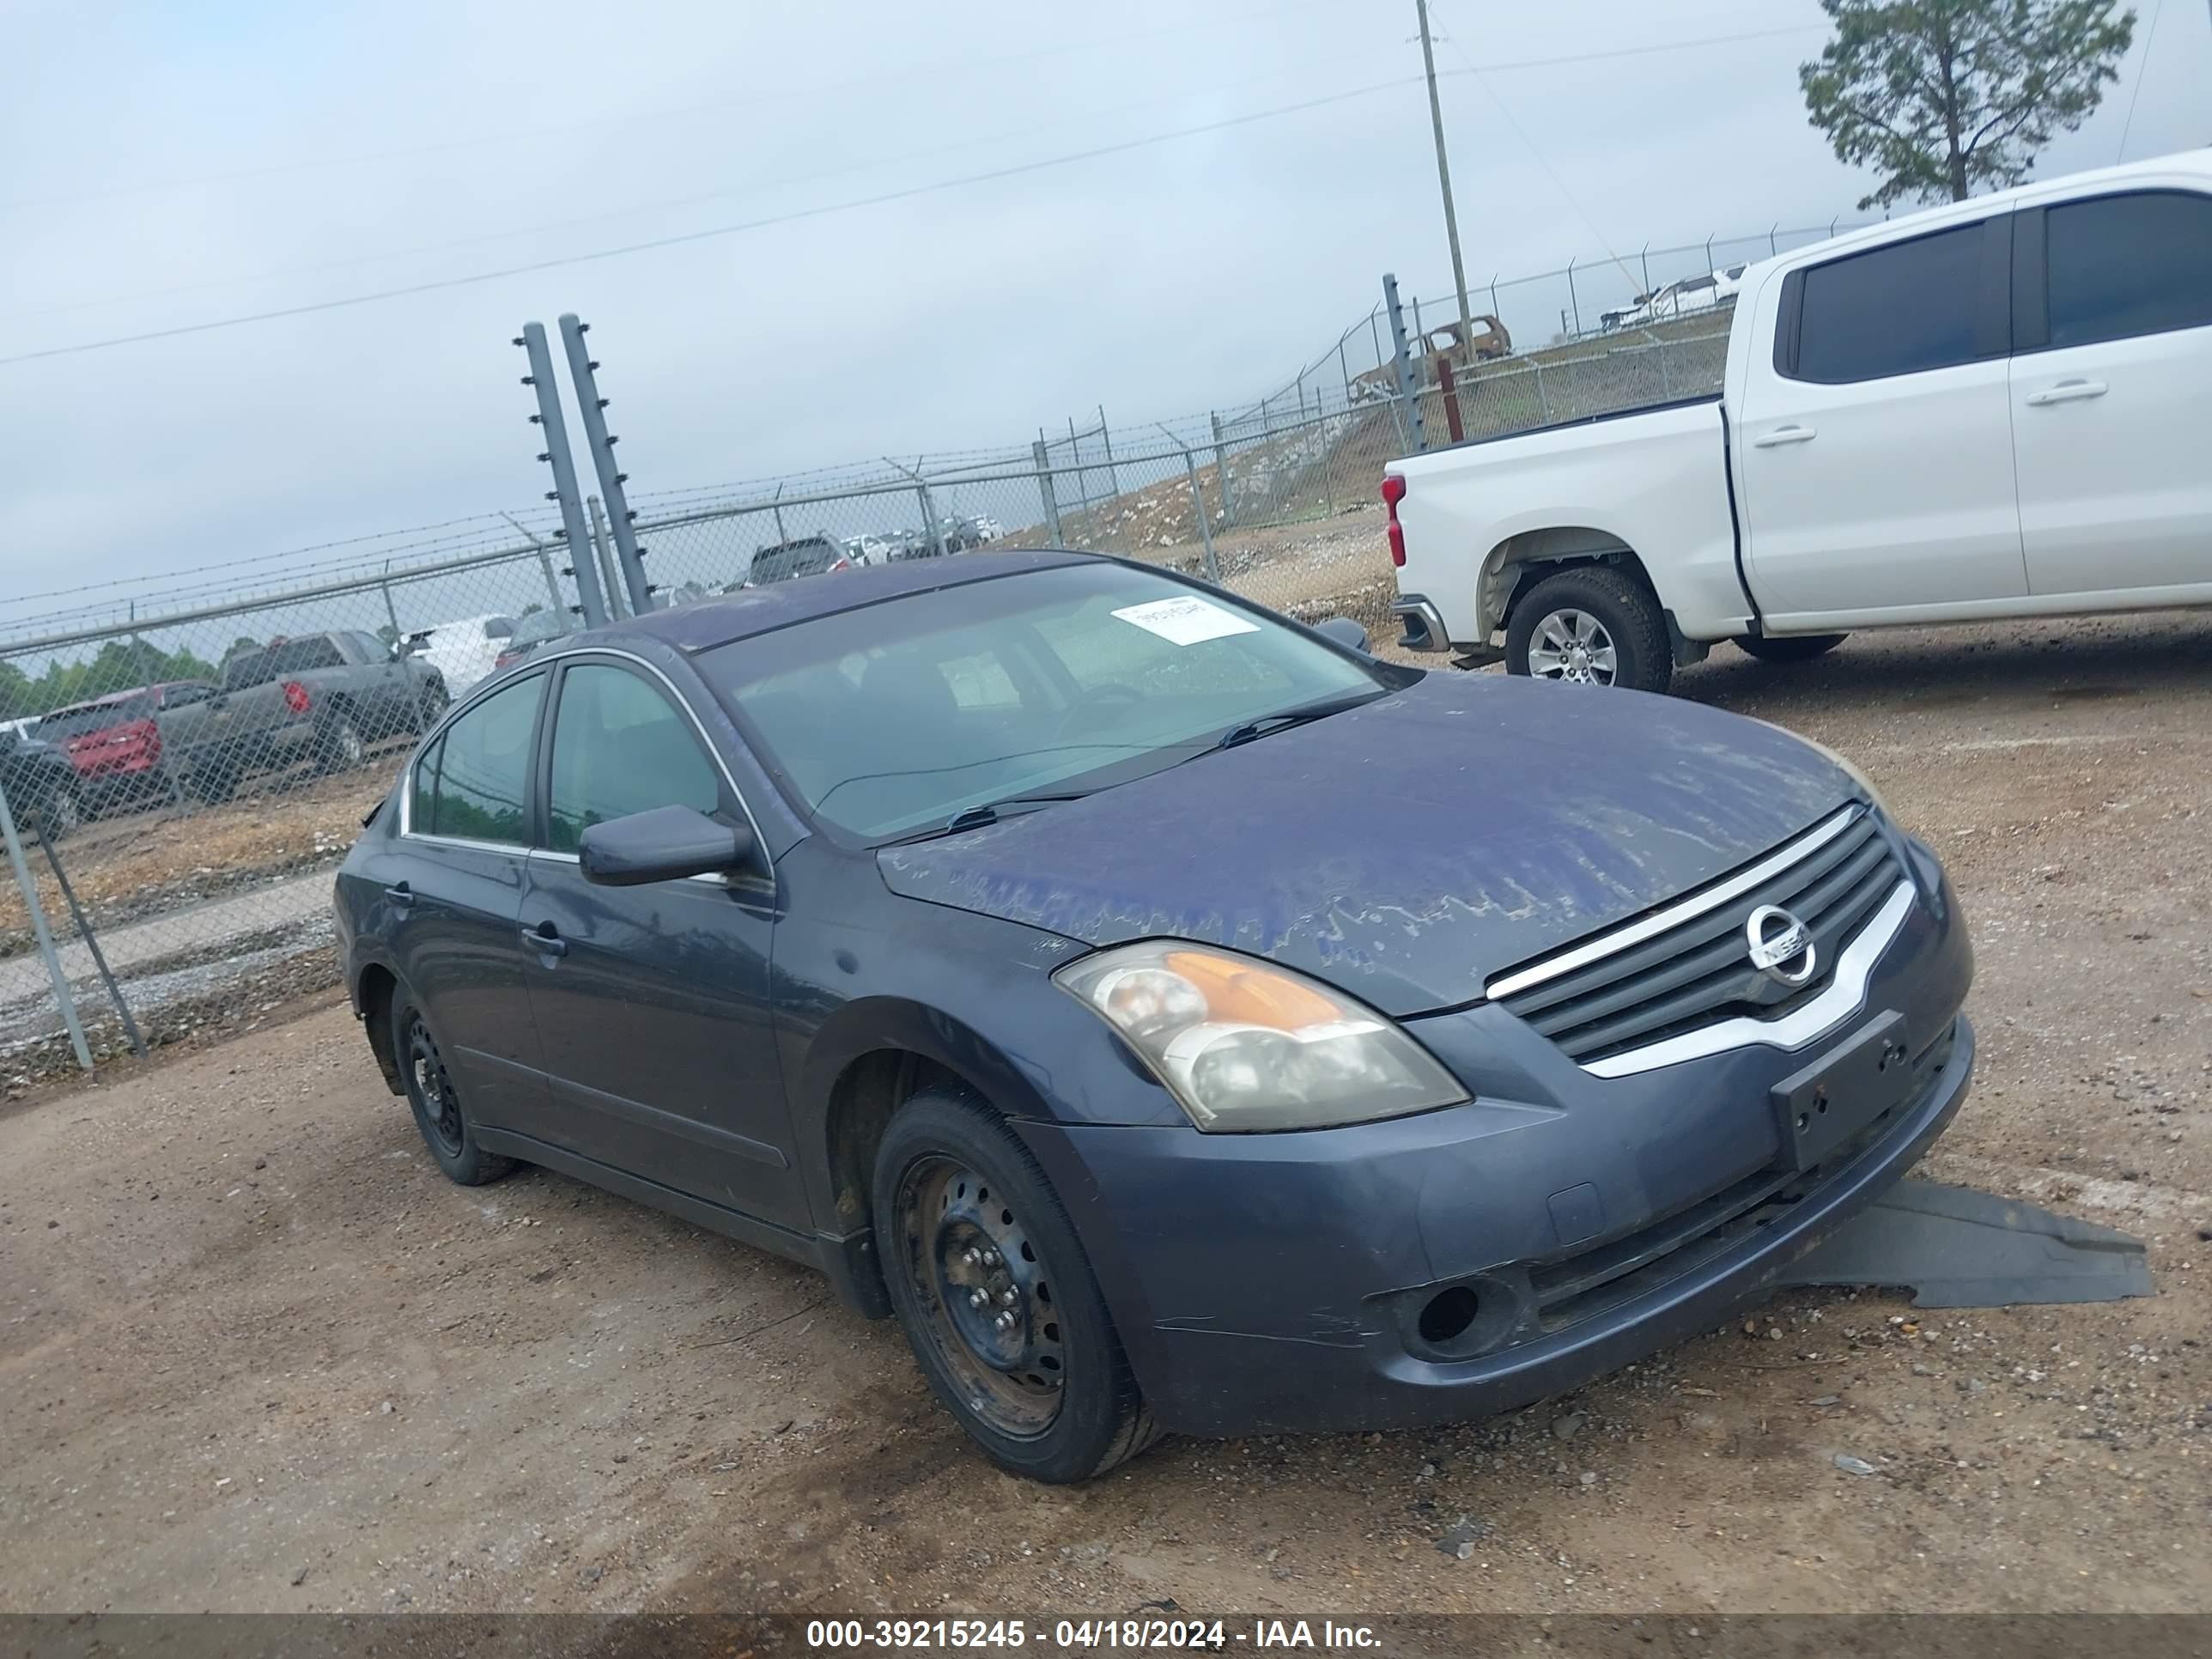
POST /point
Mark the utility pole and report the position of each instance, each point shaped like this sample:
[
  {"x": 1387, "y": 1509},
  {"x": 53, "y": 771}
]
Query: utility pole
[{"x": 1443, "y": 175}]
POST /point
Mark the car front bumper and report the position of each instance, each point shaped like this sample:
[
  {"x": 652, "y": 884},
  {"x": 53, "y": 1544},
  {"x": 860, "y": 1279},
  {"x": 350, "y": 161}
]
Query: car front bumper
[{"x": 1281, "y": 1282}]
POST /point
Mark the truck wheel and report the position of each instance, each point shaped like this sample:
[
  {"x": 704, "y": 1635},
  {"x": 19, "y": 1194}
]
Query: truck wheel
[
  {"x": 1593, "y": 626},
  {"x": 63, "y": 816},
  {"x": 213, "y": 784},
  {"x": 1802, "y": 647},
  {"x": 340, "y": 745},
  {"x": 996, "y": 1296}
]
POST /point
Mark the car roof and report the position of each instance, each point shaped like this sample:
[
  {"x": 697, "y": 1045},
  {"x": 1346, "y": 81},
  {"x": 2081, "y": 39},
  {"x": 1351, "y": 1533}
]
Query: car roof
[{"x": 711, "y": 622}]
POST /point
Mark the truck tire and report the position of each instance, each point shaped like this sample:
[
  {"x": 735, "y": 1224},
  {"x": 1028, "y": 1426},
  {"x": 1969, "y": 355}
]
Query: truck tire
[
  {"x": 1802, "y": 647},
  {"x": 339, "y": 746},
  {"x": 63, "y": 815},
  {"x": 1592, "y": 625}
]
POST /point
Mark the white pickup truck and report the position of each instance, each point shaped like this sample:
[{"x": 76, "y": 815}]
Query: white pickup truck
[{"x": 2001, "y": 408}]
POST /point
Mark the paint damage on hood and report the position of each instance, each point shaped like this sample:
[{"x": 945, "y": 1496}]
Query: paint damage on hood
[{"x": 1407, "y": 850}]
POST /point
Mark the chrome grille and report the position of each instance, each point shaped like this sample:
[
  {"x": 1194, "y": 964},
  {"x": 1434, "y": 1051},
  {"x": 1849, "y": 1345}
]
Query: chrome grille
[{"x": 1697, "y": 971}]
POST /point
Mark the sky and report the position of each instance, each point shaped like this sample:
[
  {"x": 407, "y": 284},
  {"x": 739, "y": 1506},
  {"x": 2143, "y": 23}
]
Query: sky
[{"x": 163, "y": 166}]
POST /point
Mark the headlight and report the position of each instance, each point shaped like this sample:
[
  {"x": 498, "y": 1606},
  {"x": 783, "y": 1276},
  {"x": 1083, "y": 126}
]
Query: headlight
[
  {"x": 1842, "y": 762},
  {"x": 1245, "y": 1046}
]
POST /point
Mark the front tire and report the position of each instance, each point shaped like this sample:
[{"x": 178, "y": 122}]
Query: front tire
[
  {"x": 1802, "y": 648},
  {"x": 1592, "y": 626},
  {"x": 62, "y": 816},
  {"x": 997, "y": 1297},
  {"x": 440, "y": 1116}
]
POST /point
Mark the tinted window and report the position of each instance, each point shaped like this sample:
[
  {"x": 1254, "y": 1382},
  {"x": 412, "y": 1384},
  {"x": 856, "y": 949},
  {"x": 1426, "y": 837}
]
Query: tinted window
[
  {"x": 484, "y": 769},
  {"x": 620, "y": 746},
  {"x": 1899, "y": 310},
  {"x": 273, "y": 662},
  {"x": 422, "y": 799},
  {"x": 806, "y": 558},
  {"x": 2125, "y": 265},
  {"x": 183, "y": 697}
]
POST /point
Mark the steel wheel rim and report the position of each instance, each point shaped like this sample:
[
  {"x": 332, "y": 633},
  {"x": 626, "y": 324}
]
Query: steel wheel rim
[
  {"x": 1572, "y": 645},
  {"x": 351, "y": 749},
  {"x": 64, "y": 815},
  {"x": 985, "y": 1295},
  {"x": 434, "y": 1090}
]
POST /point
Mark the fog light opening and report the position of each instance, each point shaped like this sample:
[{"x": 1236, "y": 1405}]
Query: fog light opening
[{"x": 1447, "y": 1315}]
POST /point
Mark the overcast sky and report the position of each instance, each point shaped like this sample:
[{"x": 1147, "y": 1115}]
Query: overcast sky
[{"x": 164, "y": 165}]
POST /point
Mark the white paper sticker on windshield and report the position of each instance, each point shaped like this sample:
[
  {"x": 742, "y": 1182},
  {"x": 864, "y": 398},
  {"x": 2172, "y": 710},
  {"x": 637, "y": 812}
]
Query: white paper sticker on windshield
[{"x": 1186, "y": 621}]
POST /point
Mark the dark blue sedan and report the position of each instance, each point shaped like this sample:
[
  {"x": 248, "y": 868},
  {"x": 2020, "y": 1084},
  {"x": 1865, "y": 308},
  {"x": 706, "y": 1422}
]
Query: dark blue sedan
[{"x": 1178, "y": 1018}]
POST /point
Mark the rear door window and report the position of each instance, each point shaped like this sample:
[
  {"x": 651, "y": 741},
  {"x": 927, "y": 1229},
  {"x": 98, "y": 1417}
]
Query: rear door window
[
  {"x": 2123, "y": 266},
  {"x": 483, "y": 768},
  {"x": 1904, "y": 309}
]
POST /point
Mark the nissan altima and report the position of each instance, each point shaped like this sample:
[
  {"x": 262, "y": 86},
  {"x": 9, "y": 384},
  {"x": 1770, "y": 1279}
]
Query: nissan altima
[{"x": 1177, "y": 1019}]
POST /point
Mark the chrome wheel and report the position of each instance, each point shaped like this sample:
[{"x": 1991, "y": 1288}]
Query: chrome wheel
[
  {"x": 64, "y": 814},
  {"x": 986, "y": 1296},
  {"x": 435, "y": 1102},
  {"x": 346, "y": 745},
  {"x": 1572, "y": 645}
]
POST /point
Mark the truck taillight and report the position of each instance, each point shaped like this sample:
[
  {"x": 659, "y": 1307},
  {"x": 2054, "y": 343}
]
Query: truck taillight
[
  {"x": 295, "y": 694},
  {"x": 1394, "y": 491}
]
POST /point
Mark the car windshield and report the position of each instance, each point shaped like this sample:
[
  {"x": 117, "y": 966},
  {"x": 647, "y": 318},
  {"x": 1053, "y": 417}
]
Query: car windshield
[
  {"x": 896, "y": 716},
  {"x": 66, "y": 723}
]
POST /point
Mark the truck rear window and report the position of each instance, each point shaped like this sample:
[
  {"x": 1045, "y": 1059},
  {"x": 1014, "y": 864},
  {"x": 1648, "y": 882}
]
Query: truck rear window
[{"x": 273, "y": 662}]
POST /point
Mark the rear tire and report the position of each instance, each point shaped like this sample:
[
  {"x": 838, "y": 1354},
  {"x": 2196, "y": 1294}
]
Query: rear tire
[
  {"x": 1593, "y": 625},
  {"x": 1802, "y": 648},
  {"x": 969, "y": 1232},
  {"x": 340, "y": 746},
  {"x": 439, "y": 1114}
]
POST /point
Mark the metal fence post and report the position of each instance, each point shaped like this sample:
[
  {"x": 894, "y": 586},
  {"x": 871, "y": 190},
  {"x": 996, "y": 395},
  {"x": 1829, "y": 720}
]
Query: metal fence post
[
  {"x": 1042, "y": 458},
  {"x": 92, "y": 944},
  {"x": 1221, "y": 477},
  {"x": 1197, "y": 502},
  {"x": 1106, "y": 442},
  {"x": 1344, "y": 370},
  {"x": 557, "y": 454},
  {"x": 546, "y": 561},
  {"x": 591, "y": 407},
  {"x": 1543, "y": 401},
  {"x": 1409, "y": 405},
  {"x": 46, "y": 940},
  {"x": 928, "y": 508},
  {"x": 1666, "y": 389},
  {"x": 1574, "y": 298},
  {"x": 391, "y": 612},
  {"x": 604, "y": 552},
  {"x": 1082, "y": 474},
  {"x": 1645, "y": 258},
  {"x": 782, "y": 534}
]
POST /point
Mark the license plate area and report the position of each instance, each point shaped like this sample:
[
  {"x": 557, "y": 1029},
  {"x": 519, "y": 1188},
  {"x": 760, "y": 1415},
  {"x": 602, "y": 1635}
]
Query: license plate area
[{"x": 1834, "y": 1099}]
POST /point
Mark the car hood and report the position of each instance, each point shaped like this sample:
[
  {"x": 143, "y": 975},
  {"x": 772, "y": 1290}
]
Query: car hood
[{"x": 1409, "y": 849}]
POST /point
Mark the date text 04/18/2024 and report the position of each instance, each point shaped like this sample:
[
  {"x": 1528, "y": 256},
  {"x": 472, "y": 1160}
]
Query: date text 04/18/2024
[{"x": 1204, "y": 1635}]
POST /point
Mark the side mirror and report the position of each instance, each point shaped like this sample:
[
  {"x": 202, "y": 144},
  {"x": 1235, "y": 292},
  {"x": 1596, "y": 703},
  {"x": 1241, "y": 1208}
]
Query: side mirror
[
  {"x": 1344, "y": 631},
  {"x": 664, "y": 844}
]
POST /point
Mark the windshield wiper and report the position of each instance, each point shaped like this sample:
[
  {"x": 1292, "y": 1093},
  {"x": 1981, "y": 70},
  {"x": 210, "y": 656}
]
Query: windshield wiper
[
  {"x": 1290, "y": 717},
  {"x": 975, "y": 817}
]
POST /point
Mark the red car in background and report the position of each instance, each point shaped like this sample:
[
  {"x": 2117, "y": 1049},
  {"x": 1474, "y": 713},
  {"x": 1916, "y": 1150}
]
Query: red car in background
[{"x": 115, "y": 741}]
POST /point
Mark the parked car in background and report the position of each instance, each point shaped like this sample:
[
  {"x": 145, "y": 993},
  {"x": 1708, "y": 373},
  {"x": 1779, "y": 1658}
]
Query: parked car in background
[
  {"x": 989, "y": 527},
  {"x": 990, "y": 936},
  {"x": 908, "y": 544},
  {"x": 1992, "y": 410},
  {"x": 323, "y": 698},
  {"x": 537, "y": 628},
  {"x": 120, "y": 743},
  {"x": 462, "y": 651},
  {"x": 43, "y": 790},
  {"x": 808, "y": 556},
  {"x": 866, "y": 549}
]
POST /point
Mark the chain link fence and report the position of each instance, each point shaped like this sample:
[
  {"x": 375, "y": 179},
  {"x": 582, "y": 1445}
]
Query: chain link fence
[{"x": 186, "y": 776}]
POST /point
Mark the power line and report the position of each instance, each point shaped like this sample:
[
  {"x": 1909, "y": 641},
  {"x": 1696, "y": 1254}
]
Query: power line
[
  {"x": 2142, "y": 70},
  {"x": 825, "y": 209},
  {"x": 963, "y": 65},
  {"x": 758, "y": 187}
]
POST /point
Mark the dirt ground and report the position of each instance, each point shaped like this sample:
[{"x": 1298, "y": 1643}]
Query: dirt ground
[{"x": 256, "y": 1354}]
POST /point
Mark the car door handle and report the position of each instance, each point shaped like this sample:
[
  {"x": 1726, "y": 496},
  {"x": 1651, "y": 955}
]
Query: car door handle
[
  {"x": 1785, "y": 434},
  {"x": 402, "y": 896},
  {"x": 2066, "y": 391},
  {"x": 543, "y": 940}
]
